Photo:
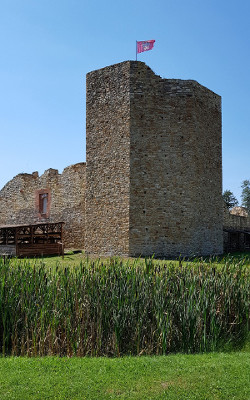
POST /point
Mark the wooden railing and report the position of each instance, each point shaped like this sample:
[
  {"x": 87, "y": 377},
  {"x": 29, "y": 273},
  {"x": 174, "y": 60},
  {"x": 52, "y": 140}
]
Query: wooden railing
[{"x": 33, "y": 239}]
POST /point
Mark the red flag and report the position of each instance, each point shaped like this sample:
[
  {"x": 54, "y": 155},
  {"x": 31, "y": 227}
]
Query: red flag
[{"x": 145, "y": 45}]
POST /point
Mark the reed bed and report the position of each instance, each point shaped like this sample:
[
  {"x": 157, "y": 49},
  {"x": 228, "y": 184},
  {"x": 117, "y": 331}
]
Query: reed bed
[{"x": 117, "y": 308}]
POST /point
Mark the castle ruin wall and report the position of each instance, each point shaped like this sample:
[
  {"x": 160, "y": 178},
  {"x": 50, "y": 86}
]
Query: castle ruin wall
[
  {"x": 235, "y": 222},
  {"x": 175, "y": 164},
  {"x": 152, "y": 183},
  {"x": 154, "y": 179},
  {"x": 108, "y": 161},
  {"x": 19, "y": 201}
]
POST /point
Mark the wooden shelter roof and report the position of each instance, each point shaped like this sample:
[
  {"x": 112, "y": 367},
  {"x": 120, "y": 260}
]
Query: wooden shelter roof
[
  {"x": 25, "y": 240},
  {"x": 33, "y": 224}
]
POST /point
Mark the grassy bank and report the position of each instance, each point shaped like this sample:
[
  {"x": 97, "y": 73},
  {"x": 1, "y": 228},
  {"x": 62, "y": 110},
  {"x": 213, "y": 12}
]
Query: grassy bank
[
  {"x": 117, "y": 307},
  {"x": 194, "y": 377}
]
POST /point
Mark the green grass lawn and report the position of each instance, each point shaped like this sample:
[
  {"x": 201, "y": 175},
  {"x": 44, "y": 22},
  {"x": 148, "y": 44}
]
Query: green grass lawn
[
  {"x": 70, "y": 259},
  {"x": 223, "y": 376}
]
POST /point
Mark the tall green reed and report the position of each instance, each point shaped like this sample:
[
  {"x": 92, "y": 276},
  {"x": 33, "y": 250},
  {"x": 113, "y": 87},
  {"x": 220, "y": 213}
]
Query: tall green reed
[{"x": 118, "y": 308}]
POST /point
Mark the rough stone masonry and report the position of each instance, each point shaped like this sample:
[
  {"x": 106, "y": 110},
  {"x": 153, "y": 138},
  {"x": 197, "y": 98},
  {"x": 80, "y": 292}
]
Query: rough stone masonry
[
  {"x": 19, "y": 201},
  {"x": 153, "y": 164},
  {"x": 152, "y": 183}
]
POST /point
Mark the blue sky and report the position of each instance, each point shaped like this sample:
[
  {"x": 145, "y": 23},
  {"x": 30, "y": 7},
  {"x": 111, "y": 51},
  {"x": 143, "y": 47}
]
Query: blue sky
[{"x": 48, "y": 46}]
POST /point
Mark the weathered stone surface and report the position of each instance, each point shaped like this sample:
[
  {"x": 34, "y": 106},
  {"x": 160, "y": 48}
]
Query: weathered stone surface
[
  {"x": 236, "y": 233},
  {"x": 19, "y": 201},
  {"x": 241, "y": 211},
  {"x": 235, "y": 221},
  {"x": 152, "y": 180},
  {"x": 108, "y": 161},
  {"x": 153, "y": 164}
]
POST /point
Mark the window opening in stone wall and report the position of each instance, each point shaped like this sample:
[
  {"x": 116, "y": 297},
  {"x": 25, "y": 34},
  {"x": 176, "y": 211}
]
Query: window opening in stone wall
[{"x": 43, "y": 203}]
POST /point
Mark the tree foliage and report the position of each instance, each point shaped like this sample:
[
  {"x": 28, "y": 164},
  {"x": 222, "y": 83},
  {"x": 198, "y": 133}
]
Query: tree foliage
[
  {"x": 229, "y": 199},
  {"x": 245, "y": 194}
]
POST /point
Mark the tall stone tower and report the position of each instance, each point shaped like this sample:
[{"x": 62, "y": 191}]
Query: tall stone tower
[{"x": 154, "y": 174}]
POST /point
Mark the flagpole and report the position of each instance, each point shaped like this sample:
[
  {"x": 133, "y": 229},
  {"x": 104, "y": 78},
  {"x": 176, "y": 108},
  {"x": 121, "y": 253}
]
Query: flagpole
[{"x": 136, "y": 50}]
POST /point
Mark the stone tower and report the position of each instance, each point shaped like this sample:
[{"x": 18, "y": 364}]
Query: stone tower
[{"x": 154, "y": 174}]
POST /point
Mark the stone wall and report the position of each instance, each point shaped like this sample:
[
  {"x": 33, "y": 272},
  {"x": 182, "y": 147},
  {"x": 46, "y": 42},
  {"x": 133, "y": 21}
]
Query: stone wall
[
  {"x": 19, "y": 201},
  {"x": 153, "y": 177},
  {"x": 175, "y": 197},
  {"x": 236, "y": 233},
  {"x": 235, "y": 222},
  {"x": 241, "y": 211},
  {"x": 108, "y": 160},
  {"x": 153, "y": 164}
]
